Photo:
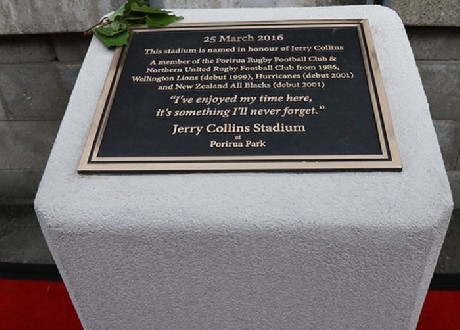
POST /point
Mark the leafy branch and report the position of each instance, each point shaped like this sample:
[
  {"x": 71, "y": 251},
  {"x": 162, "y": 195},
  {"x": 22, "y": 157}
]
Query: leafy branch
[{"x": 113, "y": 30}]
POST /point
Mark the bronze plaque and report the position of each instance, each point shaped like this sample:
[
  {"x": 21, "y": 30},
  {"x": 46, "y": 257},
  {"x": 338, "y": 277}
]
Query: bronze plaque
[{"x": 293, "y": 95}]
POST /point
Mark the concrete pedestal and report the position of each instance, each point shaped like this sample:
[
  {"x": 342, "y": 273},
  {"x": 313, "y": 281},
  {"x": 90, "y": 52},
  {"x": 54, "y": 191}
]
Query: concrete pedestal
[{"x": 252, "y": 250}]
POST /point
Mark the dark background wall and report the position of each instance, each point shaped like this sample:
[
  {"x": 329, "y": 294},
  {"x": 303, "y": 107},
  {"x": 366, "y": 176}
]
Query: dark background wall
[{"x": 41, "y": 51}]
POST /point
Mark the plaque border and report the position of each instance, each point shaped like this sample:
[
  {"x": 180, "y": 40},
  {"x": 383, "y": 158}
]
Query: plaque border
[{"x": 388, "y": 160}]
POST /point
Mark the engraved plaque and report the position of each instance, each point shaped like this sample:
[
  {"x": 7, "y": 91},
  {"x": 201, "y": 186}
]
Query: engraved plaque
[{"x": 294, "y": 95}]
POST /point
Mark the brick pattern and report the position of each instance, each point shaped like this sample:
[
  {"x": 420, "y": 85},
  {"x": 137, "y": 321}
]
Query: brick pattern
[
  {"x": 19, "y": 186},
  {"x": 428, "y": 12},
  {"x": 27, "y": 89},
  {"x": 25, "y": 49},
  {"x": 37, "y": 74},
  {"x": 46, "y": 16},
  {"x": 448, "y": 262},
  {"x": 441, "y": 85},
  {"x": 434, "y": 43},
  {"x": 437, "y": 53},
  {"x": 21, "y": 240},
  {"x": 448, "y": 132}
]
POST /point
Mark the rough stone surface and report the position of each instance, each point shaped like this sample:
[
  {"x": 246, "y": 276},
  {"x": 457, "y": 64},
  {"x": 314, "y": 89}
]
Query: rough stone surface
[
  {"x": 448, "y": 133},
  {"x": 25, "y": 49},
  {"x": 449, "y": 259},
  {"x": 435, "y": 43},
  {"x": 26, "y": 145},
  {"x": 201, "y": 4},
  {"x": 441, "y": 80},
  {"x": 78, "y": 15},
  {"x": 36, "y": 91},
  {"x": 67, "y": 75},
  {"x": 428, "y": 12},
  {"x": 21, "y": 240},
  {"x": 19, "y": 185},
  {"x": 255, "y": 3},
  {"x": 340, "y": 250},
  {"x": 4, "y": 112},
  {"x": 316, "y": 3},
  {"x": 454, "y": 178},
  {"x": 22, "y": 17},
  {"x": 70, "y": 47}
]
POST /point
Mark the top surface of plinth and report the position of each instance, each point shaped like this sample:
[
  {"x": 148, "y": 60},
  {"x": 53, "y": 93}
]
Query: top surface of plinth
[{"x": 417, "y": 196}]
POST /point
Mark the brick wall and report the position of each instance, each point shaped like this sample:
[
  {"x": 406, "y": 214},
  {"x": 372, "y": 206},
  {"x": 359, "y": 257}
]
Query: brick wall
[
  {"x": 37, "y": 74},
  {"x": 437, "y": 52},
  {"x": 40, "y": 56}
]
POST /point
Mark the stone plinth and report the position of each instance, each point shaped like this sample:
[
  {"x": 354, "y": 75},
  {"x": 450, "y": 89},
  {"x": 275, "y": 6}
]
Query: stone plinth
[{"x": 344, "y": 250}]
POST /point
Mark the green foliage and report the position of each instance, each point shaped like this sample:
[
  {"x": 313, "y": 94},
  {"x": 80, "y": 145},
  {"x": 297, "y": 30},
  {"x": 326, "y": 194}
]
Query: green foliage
[{"x": 113, "y": 30}]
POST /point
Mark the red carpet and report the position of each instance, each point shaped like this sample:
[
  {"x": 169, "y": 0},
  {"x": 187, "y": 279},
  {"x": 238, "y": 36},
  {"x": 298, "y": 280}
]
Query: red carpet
[
  {"x": 44, "y": 305},
  {"x": 440, "y": 311},
  {"x": 36, "y": 305}
]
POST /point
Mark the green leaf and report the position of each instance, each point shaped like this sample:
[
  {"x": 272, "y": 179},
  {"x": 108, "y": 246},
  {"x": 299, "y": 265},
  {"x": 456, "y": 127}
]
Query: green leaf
[
  {"x": 117, "y": 14},
  {"x": 120, "y": 39},
  {"x": 114, "y": 30},
  {"x": 136, "y": 19},
  {"x": 115, "y": 26},
  {"x": 108, "y": 31},
  {"x": 154, "y": 21}
]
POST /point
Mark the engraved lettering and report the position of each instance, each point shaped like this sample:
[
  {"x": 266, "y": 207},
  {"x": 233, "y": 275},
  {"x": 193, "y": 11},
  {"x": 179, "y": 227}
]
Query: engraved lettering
[
  {"x": 195, "y": 130},
  {"x": 231, "y": 38}
]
